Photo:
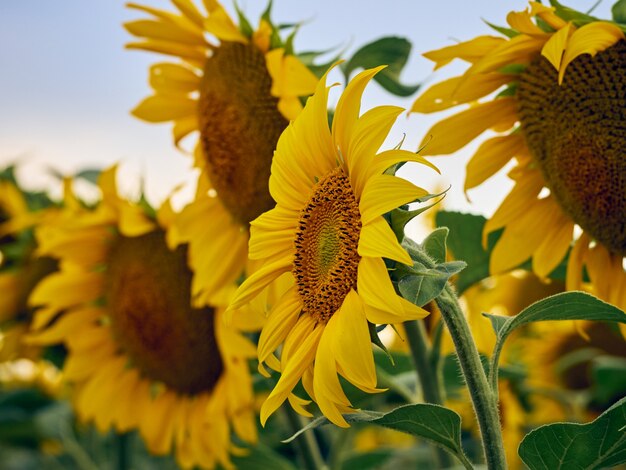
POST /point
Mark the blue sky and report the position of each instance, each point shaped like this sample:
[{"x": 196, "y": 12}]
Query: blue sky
[{"x": 67, "y": 84}]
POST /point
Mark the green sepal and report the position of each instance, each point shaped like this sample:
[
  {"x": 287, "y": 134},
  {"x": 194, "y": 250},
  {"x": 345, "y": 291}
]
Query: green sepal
[
  {"x": 435, "y": 244},
  {"x": 598, "y": 444},
  {"x": 244, "y": 25},
  {"x": 619, "y": 12},
  {"x": 508, "y": 32},
  {"x": 398, "y": 218},
  {"x": 569, "y": 14},
  {"x": 375, "y": 339},
  {"x": 391, "y": 51}
]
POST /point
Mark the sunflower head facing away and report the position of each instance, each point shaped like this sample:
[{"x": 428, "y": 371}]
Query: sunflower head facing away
[
  {"x": 560, "y": 112},
  {"x": 237, "y": 88},
  {"x": 327, "y": 235},
  {"x": 139, "y": 354}
]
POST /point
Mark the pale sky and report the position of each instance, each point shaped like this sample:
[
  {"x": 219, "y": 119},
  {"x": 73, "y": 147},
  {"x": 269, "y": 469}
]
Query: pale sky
[{"x": 67, "y": 84}]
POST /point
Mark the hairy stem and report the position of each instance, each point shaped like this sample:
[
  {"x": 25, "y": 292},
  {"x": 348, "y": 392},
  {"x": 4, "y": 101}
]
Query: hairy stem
[
  {"x": 483, "y": 397},
  {"x": 306, "y": 442}
]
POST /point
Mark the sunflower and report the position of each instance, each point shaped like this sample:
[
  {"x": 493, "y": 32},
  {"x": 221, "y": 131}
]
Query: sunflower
[
  {"x": 239, "y": 95},
  {"x": 559, "y": 115},
  {"x": 20, "y": 270},
  {"x": 141, "y": 357},
  {"x": 328, "y": 235}
]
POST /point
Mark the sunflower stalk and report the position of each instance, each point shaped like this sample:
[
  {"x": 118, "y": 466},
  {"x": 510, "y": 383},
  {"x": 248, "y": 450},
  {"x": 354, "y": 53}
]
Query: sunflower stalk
[
  {"x": 428, "y": 377},
  {"x": 483, "y": 398},
  {"x": 306, "y": 444}
]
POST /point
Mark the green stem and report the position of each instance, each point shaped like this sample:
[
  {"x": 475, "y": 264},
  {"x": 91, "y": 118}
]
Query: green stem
[
  {"x": 420, "y": 351},
  {"x": 428, "y": 377},
  {"x": 306, "y": 442},
  {"x": 386, "y": 380},
  {"x": 123, "y": 453},
  {"x": 483, "y": 397}
]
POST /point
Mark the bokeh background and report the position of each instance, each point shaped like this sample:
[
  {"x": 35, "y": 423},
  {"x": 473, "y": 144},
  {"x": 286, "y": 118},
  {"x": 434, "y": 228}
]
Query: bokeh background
[{"x": 67, "y": 85}]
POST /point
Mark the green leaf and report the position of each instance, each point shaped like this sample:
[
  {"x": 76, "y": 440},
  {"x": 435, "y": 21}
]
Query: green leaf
[
  {"x": 619, "y": 11},
  {"x": 599, "y": 444},
  {"x": 563, "y": 306},
  {"x": 370, "y": 460},
  {"x": 465, "y": 242},
  {"x": 261, "y": 457},
  {"x": 92, "y": 175},
  {"x": 436, "y": 424},
  {"x": 435, "y": 244},
  {"x": 609, "y": 378},
  {"x": 425, "y": 284},
  {"x": 391, "y": 51}
]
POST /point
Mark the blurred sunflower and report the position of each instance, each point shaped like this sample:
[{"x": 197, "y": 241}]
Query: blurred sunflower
[
  {"x": 327, "y": 233},
  {"x": 20, "y": 270},
  {"x": 239, "y": 95},
  {"x": 562, "y": 110},
  {"x": 139, "y": 354}
]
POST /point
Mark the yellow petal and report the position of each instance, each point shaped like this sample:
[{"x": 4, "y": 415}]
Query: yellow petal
[
  {"x": 522, "y": 236},
  {"x": 66, "y": 289},
  {"x": 469, "y": 51},
  {"x": 160, "y": 108},
  {"x": 187, "y": 8},
  {"x": 298, "y": 405},
  {"x": 164, "y": 31},
  {"x": 374, "y": 286},
  {"x": 554, "y": 47},
  {"x": 521, "y": 22},
  {"x": 459, "y": 90},
  {"x": 554, "y": 246},
  {"x": 222, "y": 26},
  {"x": 289, "y": 107},
  {"x": 383, "y": 193},
  {"x": 349, "y": 108},
  {"x": 377, "y": 240},
  {"x": 590, "y": 39},
  {"x": 351, "y": 344},
  {"x": 370, "y": 131},
  {"x": 166, "y": 77},
  {"x": 491, "y": 156},
  {"x": 252, "y": 286},
  {"x": 453, "y": 133},
  {"x": 281, "y": 320},
  {"x": 327, "y": 389},
  {"x": 514, "y": 204},
  {"x": 292, "y": 372},
  {"x": 194, "y": 55},
  {"x": 388, "y": 158},
  {"x": 518, "y": 50}
]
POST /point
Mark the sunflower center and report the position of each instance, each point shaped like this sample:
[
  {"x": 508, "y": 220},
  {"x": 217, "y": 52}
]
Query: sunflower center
[
  {"x": 577, "y": 134},
  {"x": 239, "y": 127},
  {"x": 147, "y": 293},
  {"x": 326, "y": 257}
]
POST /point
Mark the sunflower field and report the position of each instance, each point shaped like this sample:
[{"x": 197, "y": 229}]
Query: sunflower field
[{"x": 362, "y": 236}]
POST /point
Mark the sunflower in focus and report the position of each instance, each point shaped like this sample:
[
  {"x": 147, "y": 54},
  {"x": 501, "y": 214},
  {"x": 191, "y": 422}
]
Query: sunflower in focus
[
  {"x": 238, "y": 93},
  {"x": 559, "y": 111},
  {"x": 20, "y": 270},
  {"x": 328, "y": 235},
  {"x": 140, "y": 356}
]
